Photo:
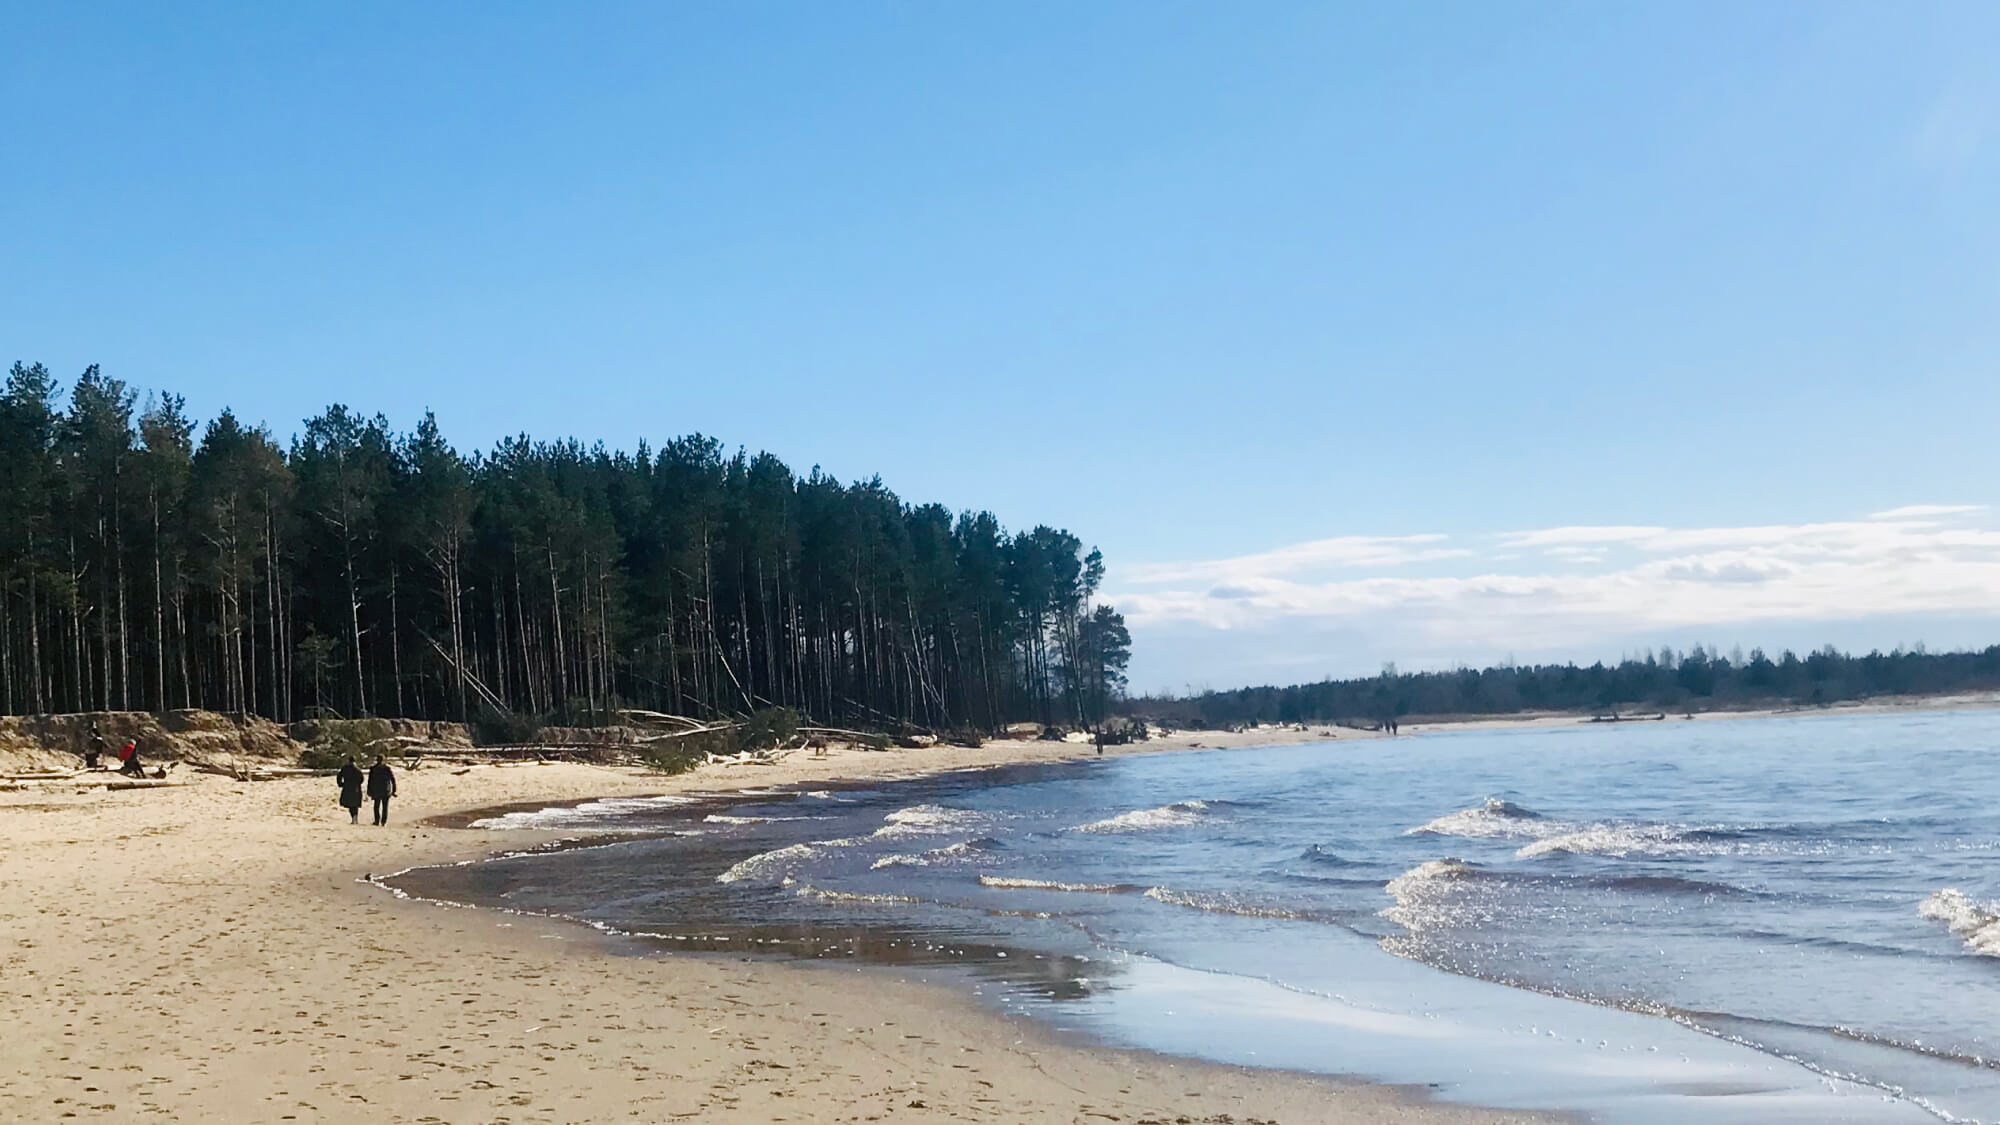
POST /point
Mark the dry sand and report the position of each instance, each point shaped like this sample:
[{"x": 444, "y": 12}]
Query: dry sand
[{"x": 206, "y": 953}]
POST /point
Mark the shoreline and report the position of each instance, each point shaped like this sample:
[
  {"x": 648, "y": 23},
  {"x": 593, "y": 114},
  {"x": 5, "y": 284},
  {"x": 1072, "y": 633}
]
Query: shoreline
[
  {"x": 1878, "y": 705},
  {"x": 209, "y": 951}
]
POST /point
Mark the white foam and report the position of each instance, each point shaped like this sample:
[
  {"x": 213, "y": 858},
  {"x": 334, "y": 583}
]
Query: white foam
[
  {"x": 1428, "y": 896},
  {"x": 1501, "y": 820},
  {"x": 1494, "y": 820},
  {"x": 1180, "y": 814},
  {"x": 1002, "y": 882},
  {"x": 1220, "y": 904},
  {"x": 927, "y": 820},
  {"x": 807, "y": 890},
  {"x": 1426, "y": 875},
  {"x": 1977, "y": 923},
  {"x": 776, "y": 866},
  {"x": 933, "y": 858},
  {"x": 590, "y": 814},
  {"x": 1633, "y": 839},
  {"x": 724, "y": 818}
]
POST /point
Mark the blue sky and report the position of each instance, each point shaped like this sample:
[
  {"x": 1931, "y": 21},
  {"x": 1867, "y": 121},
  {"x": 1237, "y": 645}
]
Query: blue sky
[{"x": 1200, "y": 282}]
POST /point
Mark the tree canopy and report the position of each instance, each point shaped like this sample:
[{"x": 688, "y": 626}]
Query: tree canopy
[
  {"x": 1697, "y": 679},
  {"x": 357, "y": 570}
]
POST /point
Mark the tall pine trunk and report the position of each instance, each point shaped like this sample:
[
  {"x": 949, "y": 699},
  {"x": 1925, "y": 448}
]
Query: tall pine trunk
[
  {"x": 354, "y": 621},
  {"x": 395, "y": 643},
  {"x": 37, "y": 697},
  {"x": 159, "y": 609}
]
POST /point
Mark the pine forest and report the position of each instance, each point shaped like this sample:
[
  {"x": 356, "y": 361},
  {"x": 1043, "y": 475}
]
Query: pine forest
[{"x": 151, "y": 563}]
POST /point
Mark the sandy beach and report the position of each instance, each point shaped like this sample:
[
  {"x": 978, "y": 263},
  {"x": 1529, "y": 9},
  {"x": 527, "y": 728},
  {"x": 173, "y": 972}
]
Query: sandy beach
[{"x": 209, "y": 952}]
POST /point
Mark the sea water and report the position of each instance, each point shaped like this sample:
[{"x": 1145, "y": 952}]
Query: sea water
[{"x": 1787, "y": 919}]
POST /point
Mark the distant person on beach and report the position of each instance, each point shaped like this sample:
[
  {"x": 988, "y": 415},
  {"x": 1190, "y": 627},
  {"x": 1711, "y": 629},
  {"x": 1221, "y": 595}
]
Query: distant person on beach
[
  {"x": 381, "y": 787},
  {"x": 93, "y": 748},
  {"x": 128, "y": 759},
  {"x": 350, "y": 790}
]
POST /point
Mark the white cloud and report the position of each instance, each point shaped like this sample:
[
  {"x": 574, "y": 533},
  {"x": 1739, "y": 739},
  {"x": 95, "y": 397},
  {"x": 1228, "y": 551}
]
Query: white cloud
[
  {"x": 1578, "y": 536},
  {"x": 1320, "y": 554},
  {"x": 1569, "y": 587},
  {"x": 1924, "y": 511}
]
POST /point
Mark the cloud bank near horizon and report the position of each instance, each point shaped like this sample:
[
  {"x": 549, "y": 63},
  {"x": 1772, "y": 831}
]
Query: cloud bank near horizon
[{"x": 1342, "y": 606}]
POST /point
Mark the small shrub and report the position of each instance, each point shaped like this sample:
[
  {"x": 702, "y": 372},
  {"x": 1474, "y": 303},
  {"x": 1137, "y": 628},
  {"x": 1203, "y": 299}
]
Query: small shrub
[
  {"x": 766, "y": 728},
  {"x": 331, "y": 753},
  {"x": 676, "y": 755},
  {"x": 330, "y": 742},
  {"x": 325, "y": 757},
  {"x": 760, "y": 730}
]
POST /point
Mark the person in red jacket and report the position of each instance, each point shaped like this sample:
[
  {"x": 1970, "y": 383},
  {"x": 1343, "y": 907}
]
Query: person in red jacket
[{"x": 128, "y": 759}]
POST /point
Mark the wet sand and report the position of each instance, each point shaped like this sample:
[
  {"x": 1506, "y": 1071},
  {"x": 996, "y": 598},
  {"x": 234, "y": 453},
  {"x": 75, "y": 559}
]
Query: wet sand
[{"x": 209, "y": 952}]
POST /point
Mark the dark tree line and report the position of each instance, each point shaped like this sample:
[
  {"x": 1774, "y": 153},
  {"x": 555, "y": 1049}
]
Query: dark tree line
[
  {"x": 149, "y": 563},
  {"x": 1698, "y": 679}
]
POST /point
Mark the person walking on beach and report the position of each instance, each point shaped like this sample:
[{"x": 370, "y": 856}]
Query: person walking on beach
[
  {"x": 381, "y": 787},
  {"x": 350, "y": 790}
]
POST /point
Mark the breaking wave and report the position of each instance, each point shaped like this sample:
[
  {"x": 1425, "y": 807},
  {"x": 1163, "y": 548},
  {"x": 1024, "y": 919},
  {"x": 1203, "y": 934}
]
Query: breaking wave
[
  {"x": 1494, "y": 819},
  {"x": 1497, "y": 819},
  {"x": 1223, "y": 903},
  {"x": 1430, "y": 896},
  {"x": 1429, "y": 873},
  {"x": 775, "y": 866},
  {"x": 1003, "y": 882},
  {"x": 1976, "y": 923},
  {"x": 1442, "y": 873},
  {"x": 807, "y": 890},
  {"x": 591, "y": 814},
  {"x": 1452, "y": 894},
  {"x": 938, "y": 857},
  {"x": 1180, "y": 814},
  {"x": 1641, "y": 839},
  {"x": 724, "y": 818},
  {"x": 926, "y": 820}
]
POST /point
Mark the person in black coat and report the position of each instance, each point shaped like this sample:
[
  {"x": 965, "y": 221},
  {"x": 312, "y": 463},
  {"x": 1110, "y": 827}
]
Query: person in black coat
[
  {"x": 350, "y": 790},
  {"x": 381, "y": 787}
]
